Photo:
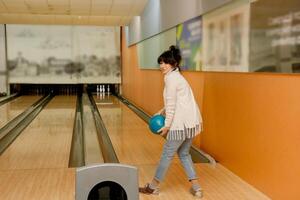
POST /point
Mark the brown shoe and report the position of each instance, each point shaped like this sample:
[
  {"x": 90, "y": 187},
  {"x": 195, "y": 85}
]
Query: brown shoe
[{"x": 147, "y": 190}]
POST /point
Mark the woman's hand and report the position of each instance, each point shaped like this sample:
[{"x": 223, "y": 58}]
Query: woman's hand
[
  {"x": 163, "y": 131},
  {"x": 161, "y": 112}
]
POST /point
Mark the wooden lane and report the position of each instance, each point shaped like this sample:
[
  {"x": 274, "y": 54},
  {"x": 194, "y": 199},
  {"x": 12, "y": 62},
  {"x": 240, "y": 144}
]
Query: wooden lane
[
  {"x": 46, "y": 142},
  {"x": 41, "y": 184},
  {"x": 92, "y": 150},
  {"x": 135, "y": 145},
  {"x": 132, "y": 140},
  {"x": 15, "y": 107}
]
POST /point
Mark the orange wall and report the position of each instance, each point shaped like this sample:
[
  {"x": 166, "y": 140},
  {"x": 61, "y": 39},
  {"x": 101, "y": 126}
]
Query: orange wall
[{"x": 251, "y": 120}]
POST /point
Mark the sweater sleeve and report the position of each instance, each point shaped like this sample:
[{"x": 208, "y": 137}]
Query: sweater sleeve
[{"x": 170, "y": 101}]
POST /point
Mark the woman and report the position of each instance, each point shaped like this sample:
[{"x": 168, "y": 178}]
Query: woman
[{"x": 183, "y": 122}]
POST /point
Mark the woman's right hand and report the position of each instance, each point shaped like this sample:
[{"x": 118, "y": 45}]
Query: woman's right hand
[
  {"x": 163, "y": 131},
  {"x": 161, "y": 112}
]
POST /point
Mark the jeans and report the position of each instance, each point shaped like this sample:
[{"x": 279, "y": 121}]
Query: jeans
[{"x": 182, "y": 147}]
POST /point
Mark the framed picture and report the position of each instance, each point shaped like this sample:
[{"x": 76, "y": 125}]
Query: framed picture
[{"x": 226, "y": 38}]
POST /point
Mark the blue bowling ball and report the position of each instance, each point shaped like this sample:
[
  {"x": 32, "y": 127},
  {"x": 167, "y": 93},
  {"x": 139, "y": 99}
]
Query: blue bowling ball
[{"x": 156, "y": 122}]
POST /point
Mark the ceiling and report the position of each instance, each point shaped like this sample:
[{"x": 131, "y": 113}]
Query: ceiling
[{"x": 76, "y": 12}]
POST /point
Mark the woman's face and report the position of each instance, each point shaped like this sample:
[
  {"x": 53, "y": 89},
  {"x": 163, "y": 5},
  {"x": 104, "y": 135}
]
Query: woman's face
[{"x": 165, "y": 68}]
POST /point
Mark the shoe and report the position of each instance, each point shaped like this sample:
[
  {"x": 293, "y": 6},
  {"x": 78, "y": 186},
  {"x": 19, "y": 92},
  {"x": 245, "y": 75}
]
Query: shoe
[
  {"x": 147, "y": 190},
  {"x": 198, "y": 193}
]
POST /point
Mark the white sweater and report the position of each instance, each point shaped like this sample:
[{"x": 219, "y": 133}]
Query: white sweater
[{"x": 182, "y": 112}]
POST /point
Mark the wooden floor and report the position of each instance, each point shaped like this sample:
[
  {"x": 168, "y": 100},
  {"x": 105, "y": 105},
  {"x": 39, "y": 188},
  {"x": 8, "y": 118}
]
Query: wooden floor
[
  {"x": 37, "y": 184},
  {"x": 135, "y": 145},
  {"x": 92, "y": 149},
  {"x": 217, "y": 182},
  {"x": 35, "y": 165},
  {"x": 15, "y": 107}
]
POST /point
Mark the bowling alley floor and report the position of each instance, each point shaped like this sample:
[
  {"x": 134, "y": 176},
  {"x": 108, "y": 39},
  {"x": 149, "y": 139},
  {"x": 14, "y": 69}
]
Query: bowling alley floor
[
  {"x": 218, "y": 183},
  {"x": 50, "y": 184},
  {"x": 35, "y": 166},
  {"x": 37, "y": 184}
]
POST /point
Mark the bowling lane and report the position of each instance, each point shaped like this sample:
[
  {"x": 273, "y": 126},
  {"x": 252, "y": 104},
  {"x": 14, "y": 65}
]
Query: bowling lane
[
  {"x": 132, "y": 140},
  {"x": 92, "y": 148},
  {"x": 15, "y": 107},
  {"x": 46, "y": 142}
]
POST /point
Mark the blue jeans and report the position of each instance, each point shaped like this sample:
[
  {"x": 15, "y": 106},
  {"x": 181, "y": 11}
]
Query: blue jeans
[{"x": 182, "y": 147}]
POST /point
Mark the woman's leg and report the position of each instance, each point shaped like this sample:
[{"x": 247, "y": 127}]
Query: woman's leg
[
  {"x": 169, "y": 150},
  {"x": 186, "y": 160}
]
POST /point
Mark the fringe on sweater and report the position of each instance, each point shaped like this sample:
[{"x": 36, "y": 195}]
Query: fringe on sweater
[{"x": 183, "y": 134}]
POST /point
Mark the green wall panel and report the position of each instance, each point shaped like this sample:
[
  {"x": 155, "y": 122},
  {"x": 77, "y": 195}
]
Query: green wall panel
[{"x": 150, "y": 49}]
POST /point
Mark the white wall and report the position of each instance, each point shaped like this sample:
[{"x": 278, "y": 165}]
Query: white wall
[{"x": 3, "y": 69}]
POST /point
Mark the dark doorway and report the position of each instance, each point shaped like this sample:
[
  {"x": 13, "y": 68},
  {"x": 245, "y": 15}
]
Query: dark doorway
[{"x": 107, "y": 190}]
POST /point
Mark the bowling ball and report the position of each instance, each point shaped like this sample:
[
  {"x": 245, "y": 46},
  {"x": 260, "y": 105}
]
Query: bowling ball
[{"x": 156, "y": 122}]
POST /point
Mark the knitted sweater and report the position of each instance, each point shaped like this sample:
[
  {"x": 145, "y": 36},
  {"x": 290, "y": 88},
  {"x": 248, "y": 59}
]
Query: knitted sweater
[{"x": 182, "y": 112}]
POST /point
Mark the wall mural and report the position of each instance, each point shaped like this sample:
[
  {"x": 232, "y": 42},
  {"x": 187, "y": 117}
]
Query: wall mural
[
  {"x": 189, "y": 41},
  {"x": 226, "y": 38},
  {"x": 63, "y": 54}
]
